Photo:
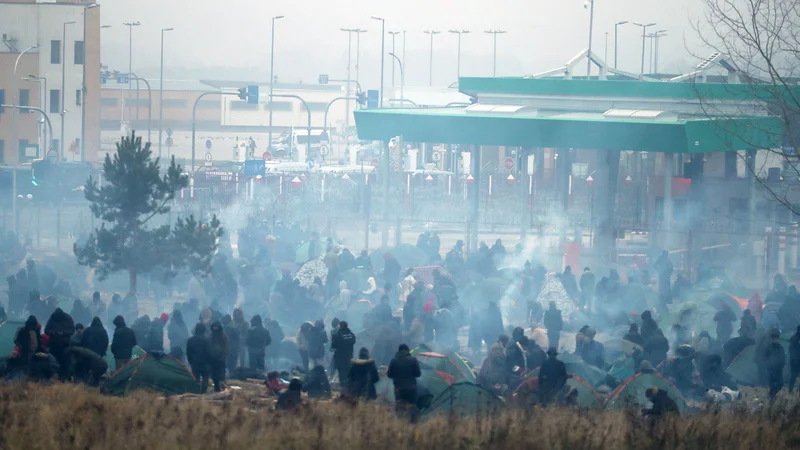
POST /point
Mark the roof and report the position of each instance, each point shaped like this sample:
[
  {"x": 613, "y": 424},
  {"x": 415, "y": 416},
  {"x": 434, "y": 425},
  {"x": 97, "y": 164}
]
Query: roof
[{"x": 574, "y": 130}]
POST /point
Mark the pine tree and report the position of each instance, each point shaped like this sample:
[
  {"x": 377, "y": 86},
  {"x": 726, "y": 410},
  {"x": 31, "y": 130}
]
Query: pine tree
[{"x": 135, "y": 196}]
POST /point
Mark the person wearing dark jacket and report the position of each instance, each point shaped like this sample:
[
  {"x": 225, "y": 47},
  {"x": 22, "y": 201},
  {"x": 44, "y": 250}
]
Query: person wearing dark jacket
[
  {"x": 220, "y": 348},
  {"x": 714, "y": 376},
  {"x": 732, "y": 348},
  {"x": 258, "y": 339},
  {"x": 662, "y": 404},
  {"x": 342, "y": 344},
  {"x": 391, "y": 269},
  {"x": 316, "y": 343},
  {"x": 155, "y": 335},
  {"x": 363, "y": 261},
  {"x": 141, "y": 327},
  {"x": 292, "y": 397},
  {"x": 85, "y": 365},
  {"x": 178, "y": 334},
  {"x": 552, "y": 377},
  {"x": 276, "y": 334},
  {"x": 724, "y": 319},
  {"x": 569, "y": 283},
  {"x": 404, "y": 371},
  {"x": 362, "y": 376},
  {"x": 633, "y": 335},
  {"x": 95, "y": 338},
  {"x": 516, "y": 359},
  {"x": 80, "y": 313},
  {"x": 553, "y": 322},
  {"x": 232, "y": 331},
  {"x": 656, "y": 349},
  {"x": 492, "y": 324},
  {"x": 123, "y": 342},
  {"x": 316, "y": 384},
  {"x": 198, "y": 354},
  {"x": 60, "y": 328},
  {"x": 775, "y": 358},
  {"x": 587, "y": 284},
  {"x": 649, "y": 326},
  {"x": 593, "y": 352},
  {"x": 382, "y": 312},
  {"x": 28, "y": 340},
  {"x": 794, "y": 358}
]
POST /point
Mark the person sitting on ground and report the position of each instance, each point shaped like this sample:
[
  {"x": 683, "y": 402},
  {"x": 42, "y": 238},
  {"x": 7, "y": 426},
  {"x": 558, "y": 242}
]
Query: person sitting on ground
[
  {"x": 362, "y": 376},
  {"x": 316, "y": 384},
  {"x": 291, "y": 398},
  {"x": 662, "y": 404},
  {"x": 275, "y": 385}
]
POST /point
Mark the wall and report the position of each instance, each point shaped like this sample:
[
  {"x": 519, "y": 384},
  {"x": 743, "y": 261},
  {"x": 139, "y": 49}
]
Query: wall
[{"x": 26, "y": 122}]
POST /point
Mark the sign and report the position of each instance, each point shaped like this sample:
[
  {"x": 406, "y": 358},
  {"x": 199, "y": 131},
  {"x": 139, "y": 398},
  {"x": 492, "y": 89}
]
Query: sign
[
  {"x": 509, "y": 163},
  {"x": 252, "y": 94},
  {"x": 123, "y": 78},
  {"x": 169, "y": 142},
  {"x": 254, "y": 168},
  {"x": 323, "y": 78},
  {"x": 436, "y": 156},
  {"x": 266, "y": 156},
  {"x": 208, "y": 144},
  {"x": 510, "y": 179},
  {"x": 169, "y": 131},
  {"x": 429, "y": 178},
  {"x": 323, "y": 149},
  {"x": 470, "y": 178},
  {"x": 208, "y": 156},
  {"x": 310, "y": 163},
  {"x": 372, "y": 98},
  {"x": 296, "y": 181},
  {"x": 31, "y": 151},
  {"x": 374, "y": 163},
  {"x": 345, "y": 177}
]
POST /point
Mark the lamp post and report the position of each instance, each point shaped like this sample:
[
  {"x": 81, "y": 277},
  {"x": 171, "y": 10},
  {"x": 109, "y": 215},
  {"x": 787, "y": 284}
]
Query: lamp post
[
  {"x": 14, "y": 101},
  {"x": 383, "y": 36},
  {"x": 63, "y": 109},
  {"x": 494, "y": 34},
  {"x": 161, "y": 91},
  {"x": 271, "y": 78},
  {"x": 402, "y": 77},
  {"x": 83, "y": 84},
  {"x": 458, "y": 52},
  {"x": 432, "y": 33},
  {"x": 589, "y": 53},
  {"x": 644, "y": 35},
  {"x": 42, "y": 100},
  {"x": 130, "y": 26},
  {"x": 358, "y": 32},
  {"x": 656, "y": 37},
  {"x": 393, "y": 33},
  {"x": 616, "y": 27}
]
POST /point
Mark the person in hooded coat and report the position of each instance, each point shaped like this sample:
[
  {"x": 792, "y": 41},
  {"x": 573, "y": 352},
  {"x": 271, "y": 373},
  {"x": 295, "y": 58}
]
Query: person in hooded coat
[
  {"x": 316, "y": 384},
  {"x": 60, "y": 328},
  {"x": 724, "y": 319},
  {"x": 80, "y": 313},
  {"x": 587, "y": 284},
  {"x": 714, "y": 376},
  {"x": 198, "y": 354},
  {"x": 554, "y": 323},
  {"x": 493, "y": 370},
  {"x": 317, "y": 338},
  {"x": 493, "y": 326},
  {"x": 178, "y": 334},
  {"x": 656, "y": 349},
  {"x": 342, "y": 343},
  {"x": 257, "y": 341},
  {"x": 404, "y": 371},
  {"x": 242, "y": 326},
  {"x": 27, "y": 340},
  {"x": 593, "y": 352},
  {"x": 99, "y": 307},
  {"x": 292, "y": 397},
  {"x": 95, "y": 338},
  {"x": 569, "y": 283},
  {"x": 362, "y": 376},
  {"x": 363, "y": 261},
  {"x": 277, "y": 336},
  {"x": 220, "y": 348},
  {"x": 141, "y": 327},
  {"x": 391, "y": 269},
  {"x": 382, "y": 312},
  {"x": 662, "y": 404},
  {"x": 649, "y": 326},
  {"x": 775, "y": 359},
  {"x": 552, "y": 377},
  {"x": 123, "y": 342},
  {"x": 155, "y": 335}
]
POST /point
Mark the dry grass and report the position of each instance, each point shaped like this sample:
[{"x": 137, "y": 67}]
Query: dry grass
[{"x": 68, "y": 416}]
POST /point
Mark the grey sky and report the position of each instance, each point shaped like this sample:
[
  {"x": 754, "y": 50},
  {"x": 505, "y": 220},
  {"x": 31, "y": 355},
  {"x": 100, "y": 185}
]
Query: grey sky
[{"x": 542, "y": 34}]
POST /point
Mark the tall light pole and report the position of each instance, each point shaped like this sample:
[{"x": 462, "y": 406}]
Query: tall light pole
[
  {"x": 404, "y": 47},
  {"x": 494, "y": 34},
  {"x": 402, "y": 78},
  {"x": 432, "y": 33},
  {"x": 358, "y": 32},
  {"x": 161, "y": 91},
  {"x": 589, "y": 54},
  {"x": 393, "y": 33},
  {"x": 347, "y": 95},
  {"x": 383, "y": 36},
  {"x": 458, "y": 52},
  {"x": 42, "y": 102},
  {"x": 63, "y": 105},
  {"x": 130, "y": 26},
  {"x": 616, "y": 26},
  {"x": 83, "y": 84},
  {"x": 605, "y": 57},
  {"x": 272, "y": 78},
  {"x": 644, "y": 35},
  {"x": 657, "y": 36},
  {"x": 15, "y": 101}
]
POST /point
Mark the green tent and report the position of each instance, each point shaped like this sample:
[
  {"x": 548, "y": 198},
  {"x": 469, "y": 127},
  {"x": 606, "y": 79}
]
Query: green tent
[
  {"x": 622, "y": 369},
  {"x": 464, "y": 399},
  {"x": 433, "y": 380},
  {"x": 154, "y": 372},
  {"x": 576, "y": 366},
  {"x": 8, "y": 331},
  {"x": 112, "y": 364},
  {"x": 631, "y": 392},
  {"x": 448, "y": 362},
  {"x": 527, "y": 393}
]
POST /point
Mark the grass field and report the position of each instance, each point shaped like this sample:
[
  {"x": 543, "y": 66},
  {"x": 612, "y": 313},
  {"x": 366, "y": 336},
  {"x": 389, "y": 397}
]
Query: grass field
[{"x": 69, "y": 416}]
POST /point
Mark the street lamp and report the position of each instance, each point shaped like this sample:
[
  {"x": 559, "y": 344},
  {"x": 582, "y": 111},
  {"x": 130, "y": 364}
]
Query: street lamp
[
  {"x": 590, "y": 4},
  {"x": 616, "y": 26},
  {"x": 393, "y": 33},
  {"x": 656, "y": 37},
  {"x": 432, "y": 33},
  {"x": 458, "y": 55},
  {"x": 63, "y": 82},
  {"x": 14, "y": 94},
  {"x": 42, "y": 96},
  {"x": 161, "y": 91},
  {"x": 494, "y": 34},
  {"x": 644, "y": 35},
  {"x": 130, "y": 26},
  {"x": 402, "y": 77},
  {"x": 358, "y": 32},
  {"x": 383, "y": 35},
  {"x": 271, "y": 77}
]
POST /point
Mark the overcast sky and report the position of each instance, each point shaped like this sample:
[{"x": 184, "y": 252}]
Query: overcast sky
[{"x": 223, "y": 39}]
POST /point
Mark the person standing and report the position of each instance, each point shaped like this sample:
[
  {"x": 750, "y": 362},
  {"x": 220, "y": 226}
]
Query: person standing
[
  {"x": 123, "y": 342},
  {"x": 60, "y": 328},
  {"x": 724, "y": 319},
  {"x": 316, "y": 343},
  {"x": 587, "y": 284},
  {"x": 178, "y": 334},
  {"x": 258, "y": 339},
  {"x": 155, "y": 335},
  {"x": 552, "y": 377},
  {"x": 664, "y": 269},
  {"x": 404, "y": 371},
  {"x": 220, "y": 348},
  {"x": 198, "y": 354},
  {"x": 553, "y": 322},
  {"x": 775, "y": 359},
  {"x": 342, "y": 344},
  {"x": 95, "y": 338}
]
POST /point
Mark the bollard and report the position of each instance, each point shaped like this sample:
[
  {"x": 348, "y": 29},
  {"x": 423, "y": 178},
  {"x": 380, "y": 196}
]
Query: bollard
[{"x": 782, "y": 250}]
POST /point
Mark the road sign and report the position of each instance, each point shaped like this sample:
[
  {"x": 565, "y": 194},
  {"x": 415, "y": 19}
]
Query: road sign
[
  {"x": 52, "y": 155},
  {"x": 310, "y": 163},
  {"x": 208, "y": 144},
  {"x": 123, "y": 78},
  {"x": 169, "y": 142},
  {"x": 372, "y": 98},
  {"x": 254, "y": 168},
  {"x": 252, "y": 94},
  {"x": 509, "y": 163},
  {"x": 266, "y": 156},
  {"x": 323, "y": 79},
  {"x": 323, "y": 149},
  {"x": 208, "y": 156},
  {"x": 296, "y": 181},
  {"x": 374, "y": 163},
  {"x": 436, "y": 156}
]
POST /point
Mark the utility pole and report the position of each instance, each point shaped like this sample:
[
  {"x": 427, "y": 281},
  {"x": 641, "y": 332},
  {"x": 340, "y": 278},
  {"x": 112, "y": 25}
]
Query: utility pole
[
  {"x": 383, "y": 54},
  {"x": 458, "y": 54},
  {"x": 432, "y": 33},
  {"x": 347, "y": 101},
  {"x": 161, "y": 92},
  {"x": 358, "y": 32},
  {"x": 644, "y": 36},
  {"x": 589, "y": 54},
  {"x": 494, "y": 34},
  {"x": 616, "y": 27},
  {"x": 393, "y": 33},
  {"x": 130, "y": 26},
  {"x": 272, "y": 79},
  {"x": 63, "y": 105}
]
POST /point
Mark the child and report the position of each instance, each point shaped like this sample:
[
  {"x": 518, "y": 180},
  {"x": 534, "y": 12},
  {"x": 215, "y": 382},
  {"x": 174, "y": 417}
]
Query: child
[{"x": 275, "y": 385}]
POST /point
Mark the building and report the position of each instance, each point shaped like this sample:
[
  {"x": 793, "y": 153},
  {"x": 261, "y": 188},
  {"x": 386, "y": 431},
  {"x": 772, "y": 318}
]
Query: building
[{"x": 47, "y": 42}]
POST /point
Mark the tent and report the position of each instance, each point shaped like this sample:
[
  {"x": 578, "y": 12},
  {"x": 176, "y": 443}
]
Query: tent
[
  {"x": 406, "y": 254},
  {"x": 744, "y": 368},
  {"x": 301, "y": 254},
  {"x": 527, "y": 392},
  {"x": 553, "y": 291},
  {"x": 157, "y": 372},
  {"x": 622, "y": 369},
  {"x": 450, "y": 363},
  {"x": 631, "y": 392},
  {"x": 577, "y": 367},
  {"x": 109, "y": 358},
  {"x": 425, "y": 273},
  {"x": 464, "y": 399},
  {"x": 431, "y": 380}
]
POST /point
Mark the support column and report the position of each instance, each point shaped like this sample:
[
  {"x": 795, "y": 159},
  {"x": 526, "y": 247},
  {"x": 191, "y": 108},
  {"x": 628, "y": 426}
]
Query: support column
[
  {"x": 697, "y": 210},
  {"x": 475, "y": 162},
  {"x": 782, "y": 250},
  {"x": 669, "y": 170},
  {"x": 605, "y": 193}
]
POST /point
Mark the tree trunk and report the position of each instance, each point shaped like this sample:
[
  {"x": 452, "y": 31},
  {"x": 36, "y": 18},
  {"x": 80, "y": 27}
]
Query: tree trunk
[{"x": 132, "y": 281}]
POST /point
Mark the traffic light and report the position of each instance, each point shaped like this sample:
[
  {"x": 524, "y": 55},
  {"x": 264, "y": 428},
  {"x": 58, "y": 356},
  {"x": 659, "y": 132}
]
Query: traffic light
[
  {"x": 361, "y": 99},
  {"x": 33, "y": 179},
  {"x": 243, "y": 93}
]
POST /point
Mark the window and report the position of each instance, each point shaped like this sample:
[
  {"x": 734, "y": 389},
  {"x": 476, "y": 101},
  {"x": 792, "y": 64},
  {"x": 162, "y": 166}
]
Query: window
[
  {"x": 55, "y": 52},
  {"x": 23, "y": 143},
  {"x": 243, "y": 106},
  {"x": 142, "y": 102},
  {"x": 208, "y": 104},
  {"x": 279, "y": 106},
  {"x": 2, "y": 99},
  {"x": 55, "y": 101},
  {"x": 108, "y": 102},
  {"x": 2, "y": 150},
  {"x": 24, "y": 97},
  {"x": 78, "y": 97},
  {"x": 174, "y": 103},
  {"x": 79, "y": 52},
  {"x": 580, "y": 170}
]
